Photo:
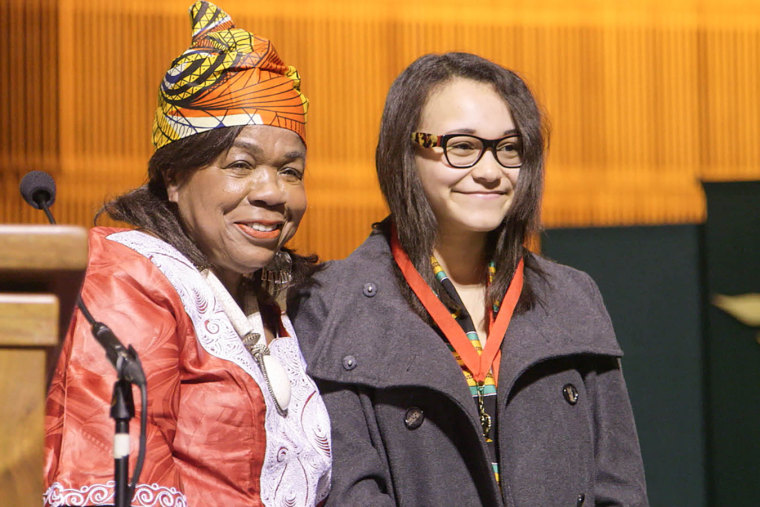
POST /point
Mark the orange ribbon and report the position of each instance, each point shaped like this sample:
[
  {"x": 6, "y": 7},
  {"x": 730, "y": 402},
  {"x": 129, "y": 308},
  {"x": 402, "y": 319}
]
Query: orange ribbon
[{"x": 478, "y": 364}]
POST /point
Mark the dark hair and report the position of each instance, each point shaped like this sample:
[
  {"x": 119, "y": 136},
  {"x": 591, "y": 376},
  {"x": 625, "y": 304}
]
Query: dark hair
[
  {"x": 396, "y": 170},
  {"x": 148, "y": 207}
]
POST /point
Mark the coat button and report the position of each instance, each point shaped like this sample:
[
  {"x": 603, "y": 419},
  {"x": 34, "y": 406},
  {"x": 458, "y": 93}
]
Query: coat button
[
  {"x": 369, "y": 290},
  {"x": 413, "y": 418},
  {"x": 581, "y": 500},
  {"x": 570, "y": 393},
  {"x": 349, "y": 363}
]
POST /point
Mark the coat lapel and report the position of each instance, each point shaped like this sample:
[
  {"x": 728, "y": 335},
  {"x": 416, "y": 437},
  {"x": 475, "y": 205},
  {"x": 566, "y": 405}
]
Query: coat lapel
[
  {"x": 539, "y": 335},
  {"x": 394, "y": 349}
]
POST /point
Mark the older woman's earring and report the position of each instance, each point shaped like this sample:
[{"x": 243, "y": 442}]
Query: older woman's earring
[{"x": 277, "y": 275}]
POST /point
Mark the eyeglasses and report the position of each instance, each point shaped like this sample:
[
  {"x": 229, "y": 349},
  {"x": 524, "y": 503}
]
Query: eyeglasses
[{"x": 463, "y": 151}]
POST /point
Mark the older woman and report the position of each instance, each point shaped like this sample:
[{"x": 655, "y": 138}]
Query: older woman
[
  {"x": 458, "y": 367},
  {"x": 194, "y": 288}
]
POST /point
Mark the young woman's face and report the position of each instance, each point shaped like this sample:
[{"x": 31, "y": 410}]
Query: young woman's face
[
  {"x": 248, "y": 202},
  {"x": 475, "y": 199}
]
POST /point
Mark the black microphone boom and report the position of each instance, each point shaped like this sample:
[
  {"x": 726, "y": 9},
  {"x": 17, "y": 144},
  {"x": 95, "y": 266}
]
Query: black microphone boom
[{"x": 125, "y": 360}]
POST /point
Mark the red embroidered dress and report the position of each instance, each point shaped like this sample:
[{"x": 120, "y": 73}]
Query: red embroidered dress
[{"x": 214, "y": 436}]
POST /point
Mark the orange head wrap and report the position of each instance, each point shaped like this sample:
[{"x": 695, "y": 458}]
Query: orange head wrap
[{"x": 227, "y": 77}]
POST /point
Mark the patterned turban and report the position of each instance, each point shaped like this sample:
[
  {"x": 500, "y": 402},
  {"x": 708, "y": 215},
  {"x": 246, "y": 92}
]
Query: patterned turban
[{"x": 227, "y": 77}]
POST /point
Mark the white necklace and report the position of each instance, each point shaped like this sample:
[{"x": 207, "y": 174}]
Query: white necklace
[{"x": 251, "y": 332}]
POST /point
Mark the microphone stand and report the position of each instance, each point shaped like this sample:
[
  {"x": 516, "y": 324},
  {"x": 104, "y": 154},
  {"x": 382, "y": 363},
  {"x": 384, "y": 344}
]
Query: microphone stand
[
  {"x": 122, "y": 410},
  {"x": 128, "y": 370}
]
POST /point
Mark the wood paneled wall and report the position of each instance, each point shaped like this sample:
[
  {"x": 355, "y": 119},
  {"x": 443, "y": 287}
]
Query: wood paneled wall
[{"x": 644, "y": 98}]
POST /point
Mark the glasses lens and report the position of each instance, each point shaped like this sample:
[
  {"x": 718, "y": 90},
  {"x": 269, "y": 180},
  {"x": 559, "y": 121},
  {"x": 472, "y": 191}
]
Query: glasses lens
[
  {"x": 508, "y": 152},
  {"x": 462, "y": 151}
]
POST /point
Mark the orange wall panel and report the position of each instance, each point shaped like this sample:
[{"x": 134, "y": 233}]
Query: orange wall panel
[{"x": 644, "y": 99}]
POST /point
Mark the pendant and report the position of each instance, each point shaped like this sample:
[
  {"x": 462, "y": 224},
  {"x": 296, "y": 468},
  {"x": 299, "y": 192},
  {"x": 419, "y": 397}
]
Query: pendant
[
  {"x": 250, "y": 340},
  {"x": 485, "y": 419},
  {"x": 277, "y": 382},
  {"x": 275, "y": 376}
]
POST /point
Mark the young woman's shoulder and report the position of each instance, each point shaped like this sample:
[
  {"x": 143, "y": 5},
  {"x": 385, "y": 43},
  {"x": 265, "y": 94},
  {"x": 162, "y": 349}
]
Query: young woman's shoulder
[
  {"x": 550, "y": 278},
  {"x": 336, "y": 293},
  {"x": 371, "y": 259},
  {"x": 570, "y": 300}
]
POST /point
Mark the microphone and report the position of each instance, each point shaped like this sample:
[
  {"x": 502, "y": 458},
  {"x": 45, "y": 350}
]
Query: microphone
[{"x": 38, "y": 189}]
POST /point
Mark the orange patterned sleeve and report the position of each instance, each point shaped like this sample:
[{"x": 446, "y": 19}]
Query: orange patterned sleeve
[{"x": 126, "y": 292}]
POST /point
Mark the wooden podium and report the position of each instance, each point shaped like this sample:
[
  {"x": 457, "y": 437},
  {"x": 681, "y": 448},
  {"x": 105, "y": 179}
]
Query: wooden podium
[{"x": 41, "y": 271}]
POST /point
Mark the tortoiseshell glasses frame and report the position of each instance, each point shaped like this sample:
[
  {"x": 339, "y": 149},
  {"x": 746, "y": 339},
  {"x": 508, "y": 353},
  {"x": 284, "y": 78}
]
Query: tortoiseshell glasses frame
[{"x": 463, "y": 151}]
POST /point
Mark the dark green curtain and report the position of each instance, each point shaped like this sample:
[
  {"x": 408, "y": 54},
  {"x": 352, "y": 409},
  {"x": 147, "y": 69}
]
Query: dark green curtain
[{"x": 731, "y": 244}]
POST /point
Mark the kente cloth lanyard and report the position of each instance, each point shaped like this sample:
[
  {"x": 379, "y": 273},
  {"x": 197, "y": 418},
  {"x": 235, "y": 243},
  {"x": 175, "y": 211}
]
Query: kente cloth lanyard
[
  {"x": 477, "y": 364},
  {"x": 464, "y": 319}
]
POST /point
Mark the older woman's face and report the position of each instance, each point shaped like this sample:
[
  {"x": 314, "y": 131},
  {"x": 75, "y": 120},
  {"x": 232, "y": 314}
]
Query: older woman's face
[{"x": 248, "y": 202}]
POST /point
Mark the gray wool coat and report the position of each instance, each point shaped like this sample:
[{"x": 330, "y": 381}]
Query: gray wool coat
[{"x": 405, "y": 430}]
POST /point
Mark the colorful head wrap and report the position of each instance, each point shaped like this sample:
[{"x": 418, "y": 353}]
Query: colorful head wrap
[{"x": 227, "y": 77}]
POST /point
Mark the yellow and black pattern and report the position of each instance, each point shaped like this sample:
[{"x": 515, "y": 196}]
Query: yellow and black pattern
[
  {"x": 227, "y": 77},
  {"x": 425, "y": 140}
]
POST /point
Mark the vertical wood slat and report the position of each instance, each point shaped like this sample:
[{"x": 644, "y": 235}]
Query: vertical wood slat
[
  {"x": 28, "y": 66},
  {"x": 643, "y": 99}
]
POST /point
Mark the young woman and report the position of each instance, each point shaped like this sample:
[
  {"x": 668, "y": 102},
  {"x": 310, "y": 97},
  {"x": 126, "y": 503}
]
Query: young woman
[
  {"x": 232, "y": 417},
  {"x": 458, "y": 367}
]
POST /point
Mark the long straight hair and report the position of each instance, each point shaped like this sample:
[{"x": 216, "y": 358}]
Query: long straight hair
[
  {"x": 148, "y": 207},
  {"x": 400, "y": 184}
]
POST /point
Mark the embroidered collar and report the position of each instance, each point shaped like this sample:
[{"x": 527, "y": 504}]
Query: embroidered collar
[{"x": 250, "y": 328}]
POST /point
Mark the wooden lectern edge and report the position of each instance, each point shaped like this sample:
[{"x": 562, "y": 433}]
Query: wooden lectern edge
[{"x": 43, "y": 247}]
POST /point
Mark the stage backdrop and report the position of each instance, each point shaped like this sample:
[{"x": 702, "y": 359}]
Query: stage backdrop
[{"x": 644, "y": 98}]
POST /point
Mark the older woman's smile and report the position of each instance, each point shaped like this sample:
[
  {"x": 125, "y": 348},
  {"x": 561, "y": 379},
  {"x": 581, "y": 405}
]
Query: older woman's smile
[{"x": 261, "y": 230}]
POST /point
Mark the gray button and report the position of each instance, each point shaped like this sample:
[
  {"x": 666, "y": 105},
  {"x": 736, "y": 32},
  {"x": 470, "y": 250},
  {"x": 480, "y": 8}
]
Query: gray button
[
  {"x": 570, "y": 393},
  {"x": 349, "y": 363},
  {"x": 413, "y": 418},
  {"x": 369, "y": 290}
]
